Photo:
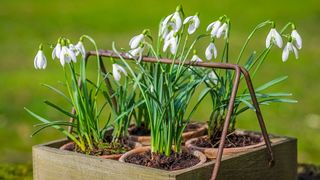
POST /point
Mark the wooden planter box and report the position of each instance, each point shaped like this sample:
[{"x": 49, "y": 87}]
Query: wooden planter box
[{"x": 52, "y": 163}]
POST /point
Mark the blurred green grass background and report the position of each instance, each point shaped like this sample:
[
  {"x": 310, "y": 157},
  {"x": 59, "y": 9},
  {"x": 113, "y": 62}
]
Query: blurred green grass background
[{"x": 25, "y": 24}]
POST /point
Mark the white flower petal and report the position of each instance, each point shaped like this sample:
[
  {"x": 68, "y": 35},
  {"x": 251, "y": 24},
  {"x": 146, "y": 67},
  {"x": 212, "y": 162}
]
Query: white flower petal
[
  {"x": 213, "y": 77},
  {"x": 56, "y": 51},
  {"x": 173, "y": 45},
  {"x": 136, "y": 40},
  {"x": 80, "y": 49},
  {"x": 285, "y": 53},
  {"x": 35, "y": 61},
  {"x": 40, "y": 61},
  {"x": 116, "y": 74},
  {"x": 187, "y": 19},
  {"x": 196, "y": 58},
  {"x": 43, "y": 63},
  {"x": 295, "y": 51},
  {"x": 297, "y": 38},
  {"x": 72, "y": 55},
  {"x": 277, "y": 38},
  {"x": 178, "y": 22},
  {"x": 208, "y": 52},
  {"x": 122, "y": 70},
  {"x": 196, "y": 21},
  {"x": 209, "y": 27},
  {"x": 215, "y": 29},
  {"x": 116, "y": 69},
  {"x": 64, "y": 58},
  {"x": 194, "y": 24},
  {"x": 268, "y": 39},
  {"x": 221, "y": 30},
  {"x": 53, "y": 55}
]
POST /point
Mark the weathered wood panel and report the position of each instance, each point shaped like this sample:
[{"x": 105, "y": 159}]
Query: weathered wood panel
[{"x": 52, "y": 163}]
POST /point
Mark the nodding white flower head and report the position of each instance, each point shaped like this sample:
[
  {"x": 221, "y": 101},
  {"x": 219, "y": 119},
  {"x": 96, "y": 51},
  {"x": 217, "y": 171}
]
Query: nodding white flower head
[
  {"x": 136, "y": 52},
  {"x": 296, "y": 38},
  {"x": 274, "y": 37},
  {"x": 57, "y": 50},
  {"x": 172, "y": 41},
  {"x": 214, "y": 27},
  {"x": 223, "y": 30},
  {"x": 172, "y": 22},
  {"x": 80, "y": 49},
  {"x": 196, "y": 58},
  {"x": 287, "y": 49},
  {"x": 213, "y": 77},
  {"x": 40, "y": 61},
  {"x": 116, "y": 70},
  {"x": 194, "y": 23},
  {"x": 211, "y": 51},
  {"x": 136, "y": 40},
  {"x": 67, "y": 55}
]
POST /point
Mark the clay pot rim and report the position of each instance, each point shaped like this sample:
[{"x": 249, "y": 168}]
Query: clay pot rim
[
  {"x": 190, "y": 144},
  {"x": 203, "y": 127},
  {"x": 202, "y": 157}
]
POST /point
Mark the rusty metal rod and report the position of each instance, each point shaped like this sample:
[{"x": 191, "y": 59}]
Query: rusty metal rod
[
  {"x": 238, "y": 71},
  {"x": 259, "y": 116},
  {"x": 226, "y": 123}
]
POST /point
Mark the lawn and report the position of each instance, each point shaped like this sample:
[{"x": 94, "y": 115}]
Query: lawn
[{"x": 25, "y": 24}]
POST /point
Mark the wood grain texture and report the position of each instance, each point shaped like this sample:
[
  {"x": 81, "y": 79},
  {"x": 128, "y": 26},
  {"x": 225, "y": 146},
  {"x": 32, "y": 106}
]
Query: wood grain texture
[{"x": 52, "y": 163}]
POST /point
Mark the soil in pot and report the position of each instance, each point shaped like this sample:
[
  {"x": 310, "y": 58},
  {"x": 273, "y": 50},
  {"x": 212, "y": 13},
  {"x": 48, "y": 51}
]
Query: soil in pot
[
  {"x": 174, "y": 162},
  {"x": 237, "y": 141},
  {"x": 233, "y": 140},
  {"x": 139, "y": 131}
]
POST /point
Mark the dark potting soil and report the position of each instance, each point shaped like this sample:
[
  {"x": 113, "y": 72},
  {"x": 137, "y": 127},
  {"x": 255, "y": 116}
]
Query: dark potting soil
[
  {"x": 232, "y": 140},
  {"x": 173, "y": 162},
  {"x": 140, "y": 131},
  {"x": 144, "y": 131}
]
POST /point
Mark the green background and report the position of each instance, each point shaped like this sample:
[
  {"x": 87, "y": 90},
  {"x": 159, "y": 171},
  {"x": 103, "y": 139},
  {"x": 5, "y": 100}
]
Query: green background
[{"x": 26, "y": 24}]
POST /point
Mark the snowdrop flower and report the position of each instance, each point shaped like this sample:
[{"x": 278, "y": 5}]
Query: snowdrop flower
[
  {"x": 223, "y": 30},
  {"x": 174, "y": 21},
  {"x": 297, "y": 38},
  {"x": 67, "y": 55},
  {"x": 287, "y": 49},
  {"x": 195, "y": 58},
  {"x": 80, "y": 49},
  {"x": 213, "y": 77},
  {"x": 116, "y": 70},
  {"x": 136, "y": 40},
  {"x": 56, "y": 50},
  {"x": 214, "y": 27},
  {"x": 274, "y": 37},
  {"x": 172, "y": 41},
  {"x": 211, "y": 51},
  {"x": 136, "y": 52},
  {"x": 40, "y": 61},
  {"x": 194, "y": 23}
]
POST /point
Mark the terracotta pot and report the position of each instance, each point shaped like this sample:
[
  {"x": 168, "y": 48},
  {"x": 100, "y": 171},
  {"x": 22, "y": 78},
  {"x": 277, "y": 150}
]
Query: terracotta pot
[
  {"x": 212, "y": 152},
  {"x": 146, "y": 140},
  {"x": 71, "y": 145},
  {"x": 139, "y": 150}
]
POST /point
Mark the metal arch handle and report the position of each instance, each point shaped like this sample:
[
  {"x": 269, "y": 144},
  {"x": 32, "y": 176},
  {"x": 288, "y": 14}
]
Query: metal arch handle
[{"x": 238, "y": 71}]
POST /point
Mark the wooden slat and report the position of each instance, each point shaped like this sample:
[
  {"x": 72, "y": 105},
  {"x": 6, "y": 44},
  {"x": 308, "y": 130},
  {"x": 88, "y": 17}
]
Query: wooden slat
[{"x": 52, "y": 163}]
